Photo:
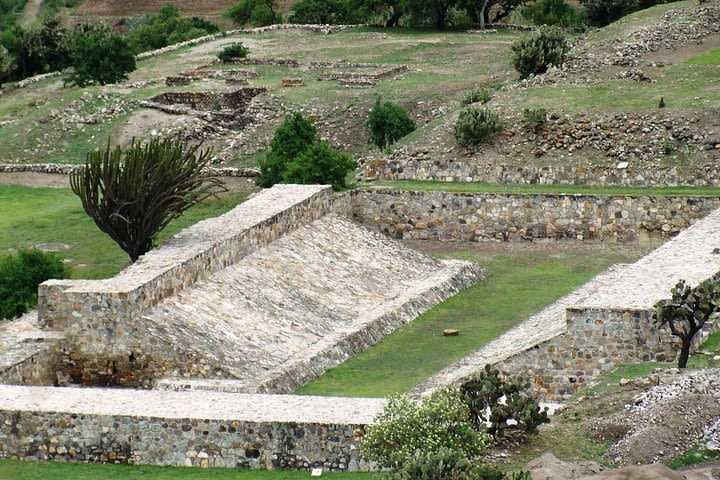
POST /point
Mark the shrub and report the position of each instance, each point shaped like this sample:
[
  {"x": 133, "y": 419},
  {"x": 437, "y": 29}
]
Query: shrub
[
  {"x": 100, "y": 58},
  {"x": 476, "y": 95},
  {"x": 535, "y": 118},
  {"x": 484, "y": 393},
  {"x": 404, "y": 427},
  {"x": 38, "y": 50},
  {"x": 326, "y": 12},
  {"x": 388, "y": 123},
  {"x": 553, "y": 12},
  {"x": 476, "y": 125},
  {"x": 443, "y": 464},
  {"x": 259, "y": 13},
  {"x": 166, "y": 28},
  {"x": 687, "y": 312},
  {"x": 7, "y": 65},
  {"x": 319, "y": 164},
  {"x": 231, "y": 52},
  {"x": 20, "y": 276},
  {"x": 132, "y": 195},
  {"x": 535, "y": 53},
  {"x": 293, "y": 137}
]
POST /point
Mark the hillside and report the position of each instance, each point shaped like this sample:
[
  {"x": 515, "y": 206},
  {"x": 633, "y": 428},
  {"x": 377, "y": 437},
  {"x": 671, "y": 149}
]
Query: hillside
[{"x": 111, "y": 8}]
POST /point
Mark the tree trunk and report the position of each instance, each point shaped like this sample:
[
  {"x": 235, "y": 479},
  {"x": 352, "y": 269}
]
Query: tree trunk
[
  {"x": 484, "y": 14},
  {"x": 394, "y": 18},
  {"x": 684, "y": 353}
]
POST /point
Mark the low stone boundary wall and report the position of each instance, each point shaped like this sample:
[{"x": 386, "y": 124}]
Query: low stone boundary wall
[
  {"x": 204, "y": 429},
  {"x": 66, "y": 169},
  {"x": 99, "y": 317},
  {"x": 510, "y": 217},
  {"x": 28, "y": 355}
]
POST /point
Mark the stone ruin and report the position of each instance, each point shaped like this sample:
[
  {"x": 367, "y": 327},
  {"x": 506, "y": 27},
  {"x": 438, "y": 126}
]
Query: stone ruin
[
  {"x": 361, "y": 74},
  {"x": 292, "y": 82}
]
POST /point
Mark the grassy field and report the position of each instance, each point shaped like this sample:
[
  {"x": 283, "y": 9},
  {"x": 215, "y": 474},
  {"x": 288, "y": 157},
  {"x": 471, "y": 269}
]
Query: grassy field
[
  {"x": 14, "y": 470},
  {"x": 30, "y": 216},
  {"x": 436, "y": 186},
  {"x": 708, "y": 58},
  {"x": 523, "y": 279}
]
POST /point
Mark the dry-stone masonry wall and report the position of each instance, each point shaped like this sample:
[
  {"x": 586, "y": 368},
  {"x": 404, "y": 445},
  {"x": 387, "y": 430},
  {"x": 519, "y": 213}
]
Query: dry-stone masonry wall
[
  {"x": 205, "y": 429},
  {"x": 28, "y": 355},
  {"x": 486, "y": 216},
  {"x": 270, "y": 294},
  {"x": 600, "y": 325}
]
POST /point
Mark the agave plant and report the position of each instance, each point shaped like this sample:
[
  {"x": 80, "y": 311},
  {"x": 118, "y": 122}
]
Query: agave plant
[{"x": 133, "y": 194}]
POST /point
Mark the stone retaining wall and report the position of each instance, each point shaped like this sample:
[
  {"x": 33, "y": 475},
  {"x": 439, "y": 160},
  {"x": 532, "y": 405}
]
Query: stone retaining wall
[
  {"x": 66, "y": 169},
  {"x": 101, "y": 318},
  {"x": 204, "y": 429},
  {"x": 238, "y": 99},
  {"x": 489, "y": 216}
]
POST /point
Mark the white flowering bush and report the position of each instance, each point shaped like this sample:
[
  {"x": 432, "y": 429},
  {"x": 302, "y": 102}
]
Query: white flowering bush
[{"x": 405, "y": 427}]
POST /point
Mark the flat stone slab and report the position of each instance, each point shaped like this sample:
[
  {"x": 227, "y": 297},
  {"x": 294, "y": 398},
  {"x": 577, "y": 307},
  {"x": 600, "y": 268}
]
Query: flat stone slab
[{"x": 200, "y": 405}]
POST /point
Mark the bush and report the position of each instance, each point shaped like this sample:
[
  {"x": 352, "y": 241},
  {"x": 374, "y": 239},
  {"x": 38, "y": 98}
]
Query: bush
[
  {"x": 7, "y": 65},
  {"x": 534, "y": 54},
  {"x": 388, "y": 123},
  {"x": 484, "y": 394},
  {"x": 231, "y": 52},
  {"x": 258, "y": 13},
  {"x": 132, "y": 195},
  {"x": 293, "y": 137},
  {"x": 166, "y": 28},
  {"x": 535, "y": 118},
  {"x": 404, "y": 427},
  {"x": 443, "y": 464},
  {"x": 38, "y": 50},
  {"x": 326, "y": 12},
  {"x": 476, "y": 95},
  {"x": 20, "y": 276},
  {"x": 553, "y": 12},
  {"x": 100, "y": 58},
  {"x": 319, "y": 164},
  {"x": 600, "y": 13},
  {"x": 476, "y": 125}
]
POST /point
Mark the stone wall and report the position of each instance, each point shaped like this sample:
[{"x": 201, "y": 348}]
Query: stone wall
[
  {"x": 204, "y": 429},
  {"x": 28, "y": 355},
  {"x": 238, "y": 100},
  {"x": 489, "y": 216},
  {"x": 102, "y": 318}
]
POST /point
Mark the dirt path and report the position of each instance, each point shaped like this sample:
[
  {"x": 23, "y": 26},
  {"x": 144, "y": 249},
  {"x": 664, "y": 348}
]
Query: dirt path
[{"x": 30, "y": 12}]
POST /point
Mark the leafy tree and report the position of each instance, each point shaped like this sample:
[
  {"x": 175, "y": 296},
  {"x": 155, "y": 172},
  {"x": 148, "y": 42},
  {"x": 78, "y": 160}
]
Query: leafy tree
[
  {"x": 132, "y": 195},
  {"x": 391, "y": 9},
  {"x": 166, "y": 28},
  {"x": 20, "y": 276},
  {"x": 293, "y": 137},
  {"x": 326, "y": 12},
  {"x": 388, "y": 123},
  {"x": 430, "y": 12},
  {"x": 7, "y": 65},
  {"x": 484, "y": 393},
  {"x": 553, "y": 12},
  {"x": 535, "y": 53},
  {"x": 319, "y": 164},
  {"x": 231, "y": 52},
  {"x": 403, "y": 427},
  {"x": 687, "y": 312},
  {"x": 604, "y": 12},
  {"x": 100, "y": 57},
  {"x": 480, "y": 10},
  {"x": 476, "y": 125},
  {"x": 38, "y": 50},
  {"x": 259, "y": 13}
]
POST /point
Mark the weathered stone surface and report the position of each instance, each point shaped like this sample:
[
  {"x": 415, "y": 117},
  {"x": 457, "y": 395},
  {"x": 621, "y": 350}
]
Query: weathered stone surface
[{"x": 28, "y": 355}]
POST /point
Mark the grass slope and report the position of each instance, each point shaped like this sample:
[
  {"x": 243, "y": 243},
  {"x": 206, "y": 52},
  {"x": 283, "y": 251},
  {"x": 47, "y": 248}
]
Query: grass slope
[
  {"x": 708, "y": 58},
  {"x": 520, "y": 284},
  {"x": 29, "y": 216},
  {"x": 14, "y": 470}
]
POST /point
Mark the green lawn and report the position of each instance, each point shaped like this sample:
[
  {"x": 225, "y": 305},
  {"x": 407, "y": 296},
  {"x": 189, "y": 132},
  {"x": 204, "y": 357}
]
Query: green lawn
[
  {"x": 521, "y": 283},
  {"x": 430, "y": 186},
  {"x": 29, "y": 216},
  {"x": 708, "y": 58},
  {"x": 14, "y": 470}
]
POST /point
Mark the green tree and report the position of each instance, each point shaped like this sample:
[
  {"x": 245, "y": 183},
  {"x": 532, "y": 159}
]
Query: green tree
[
  {"x": 20, "y": 276},
  {"x": 688, "y": 311},
  {"x": 388, "y": 123},
  {"x": 132, "y": 195},
  {"x": 391, "y": 9},
  {"x": 319, "y": 164},
  {"x": 553, "y": 12},
  {"x": 325, "y": 12},
  {"x": 430, "y": 12},
  {"x": 258, "y": 13},
  {"x": 166, "y": 28},
  {"x": 100, "y": 57},
  {"x": 7, "y": 65},
  {"x": 480, "y": 10},
  {"x": 292, "y": 138}
]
